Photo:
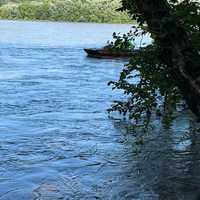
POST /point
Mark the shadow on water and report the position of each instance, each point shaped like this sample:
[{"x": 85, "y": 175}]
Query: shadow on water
[{"x": 168, "y": 162}]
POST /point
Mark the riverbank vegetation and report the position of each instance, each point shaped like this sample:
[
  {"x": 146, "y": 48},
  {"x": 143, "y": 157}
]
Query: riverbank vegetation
[
  {"x": 101, "y": 11},
  {"x": 163, "y": 75}
]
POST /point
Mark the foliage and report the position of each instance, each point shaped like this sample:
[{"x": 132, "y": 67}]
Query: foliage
[
  {"x": 122, "y": 43},
  {"x": 65, "y": 10},
  {"x": 146, "y": 80},
  {"x": 189, "y": 14},
  {"x": 148, "y": 85}
]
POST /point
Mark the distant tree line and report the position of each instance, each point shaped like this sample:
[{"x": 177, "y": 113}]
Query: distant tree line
[{"x": 103, "y": 11}]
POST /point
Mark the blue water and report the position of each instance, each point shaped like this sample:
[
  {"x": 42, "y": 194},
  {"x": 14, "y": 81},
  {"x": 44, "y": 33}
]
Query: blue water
[{"x": 56, "y": 140}]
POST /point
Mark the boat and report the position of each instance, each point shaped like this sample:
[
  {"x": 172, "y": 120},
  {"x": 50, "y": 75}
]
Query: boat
[{"x": 106, "y": 53}]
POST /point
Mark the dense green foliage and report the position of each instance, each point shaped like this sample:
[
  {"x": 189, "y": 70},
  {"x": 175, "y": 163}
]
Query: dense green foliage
[
  {"x": 64, "y": 10},
  {"x": 146, "y": 80},
  {"x": 120, "y": 42}
]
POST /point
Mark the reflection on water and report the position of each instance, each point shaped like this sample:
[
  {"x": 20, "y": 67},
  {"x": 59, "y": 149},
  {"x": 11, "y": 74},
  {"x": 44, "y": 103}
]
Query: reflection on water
[
  {"x": 56, "y": 140},
  {"x": 168, "y": 162}
]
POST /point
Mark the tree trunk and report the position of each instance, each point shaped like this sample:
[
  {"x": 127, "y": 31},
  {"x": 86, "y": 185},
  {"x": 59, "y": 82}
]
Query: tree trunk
[{"x": 177, "y": 50}]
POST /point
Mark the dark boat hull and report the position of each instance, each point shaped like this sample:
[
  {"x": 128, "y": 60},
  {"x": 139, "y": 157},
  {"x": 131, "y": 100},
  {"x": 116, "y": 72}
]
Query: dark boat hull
[{"x": 103, "y": 53}]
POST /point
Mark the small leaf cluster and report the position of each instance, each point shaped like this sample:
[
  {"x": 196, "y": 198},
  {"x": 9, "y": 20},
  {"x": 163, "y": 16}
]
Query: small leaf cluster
[{"x": 123, "y": 42}]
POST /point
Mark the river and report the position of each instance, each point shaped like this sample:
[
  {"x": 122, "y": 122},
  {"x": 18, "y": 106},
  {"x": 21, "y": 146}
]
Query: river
[{"x": 56, "y": 139}]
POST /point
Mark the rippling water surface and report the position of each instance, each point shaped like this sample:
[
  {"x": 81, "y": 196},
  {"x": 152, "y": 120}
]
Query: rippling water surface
[{"x": 56, "y": 140}]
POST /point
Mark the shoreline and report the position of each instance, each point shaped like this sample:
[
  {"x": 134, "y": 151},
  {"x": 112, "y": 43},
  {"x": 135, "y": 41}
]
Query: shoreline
[{"x": 68, "y": 22}]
